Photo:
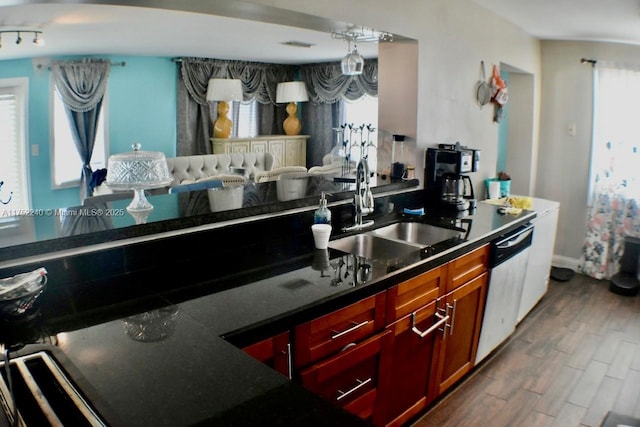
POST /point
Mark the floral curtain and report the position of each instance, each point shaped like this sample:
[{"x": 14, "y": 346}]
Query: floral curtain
[
  {"x": 82, "y": 85},
  {"x": 615, "y": 180}
]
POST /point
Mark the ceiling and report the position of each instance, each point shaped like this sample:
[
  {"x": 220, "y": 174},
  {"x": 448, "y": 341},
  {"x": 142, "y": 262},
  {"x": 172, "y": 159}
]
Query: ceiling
[
  {"x": 586, "y": 20},
  {"x": 83, "y": 27}
]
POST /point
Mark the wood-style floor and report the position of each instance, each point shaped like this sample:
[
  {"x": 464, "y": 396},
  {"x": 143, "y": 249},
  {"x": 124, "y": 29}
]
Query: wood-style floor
[{"x": 572, "y": 359}]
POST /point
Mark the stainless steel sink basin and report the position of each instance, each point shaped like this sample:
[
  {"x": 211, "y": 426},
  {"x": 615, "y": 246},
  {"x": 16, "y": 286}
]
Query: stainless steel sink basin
[
  {"x": 370, "y": 246},
  {"x": 417, "y": 232}
]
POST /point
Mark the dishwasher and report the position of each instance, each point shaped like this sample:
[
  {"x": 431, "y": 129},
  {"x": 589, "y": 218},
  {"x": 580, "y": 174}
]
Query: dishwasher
[{"x": 508, "y": 265}]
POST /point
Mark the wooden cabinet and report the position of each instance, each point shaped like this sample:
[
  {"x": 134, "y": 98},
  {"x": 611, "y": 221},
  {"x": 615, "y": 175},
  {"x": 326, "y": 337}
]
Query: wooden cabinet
[
  {"x": 330, "y": 333},
  {"x": 465, "y": 307},
  {"x": 435, "y": 339},
  {"x": 414, "y": 347},
  {"x": 274, "y": 352},
  {"x": 352, "y": 378},
  {"x": 287, "y": 150}
]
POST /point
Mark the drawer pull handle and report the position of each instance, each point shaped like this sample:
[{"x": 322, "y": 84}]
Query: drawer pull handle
[
  {"x": 343, "y": 394},
  {"x": 355, "y": 326},
  {"x": 422, "y": 334}
]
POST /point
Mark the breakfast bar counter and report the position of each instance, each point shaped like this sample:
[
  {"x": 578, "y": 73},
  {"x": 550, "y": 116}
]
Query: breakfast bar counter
[{"x": 161, "y": 344}]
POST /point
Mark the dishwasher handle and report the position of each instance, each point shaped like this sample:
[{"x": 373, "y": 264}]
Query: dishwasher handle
[{"x": 515, "y": 239}]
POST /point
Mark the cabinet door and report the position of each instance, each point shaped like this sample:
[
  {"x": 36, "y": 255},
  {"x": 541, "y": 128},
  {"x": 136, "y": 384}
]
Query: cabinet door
[
  {"x": 221, "y": 147},
  {"x": 240, "y": 146},
  {"x": 351, "y": 378},
  {"x": 457, "y": 354},
  {"x": 274, "y": 351},
  {"x": 259, "y": 146},
  {"x": 295, "y": 152},
  {"x": 277, "y": 149},
  {"x": 416, "y": 338}
]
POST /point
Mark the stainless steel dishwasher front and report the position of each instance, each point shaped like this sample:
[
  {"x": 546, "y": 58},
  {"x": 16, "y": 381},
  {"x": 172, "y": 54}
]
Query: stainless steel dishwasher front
[{"x": 508, "y": 266}]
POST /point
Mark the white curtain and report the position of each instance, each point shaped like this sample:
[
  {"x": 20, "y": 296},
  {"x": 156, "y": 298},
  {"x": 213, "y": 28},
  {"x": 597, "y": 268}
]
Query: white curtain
[{"x": 615, "y": 168}]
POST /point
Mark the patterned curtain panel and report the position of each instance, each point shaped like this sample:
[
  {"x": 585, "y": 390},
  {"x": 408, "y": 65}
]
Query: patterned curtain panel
[
  {"x": 326, "y": 84},
  {"x": 196, "y": 116},
  {"x": 615, "y": 182},
  {"x": 327, "y": 87},
  {"x": 82, "y": 85}
]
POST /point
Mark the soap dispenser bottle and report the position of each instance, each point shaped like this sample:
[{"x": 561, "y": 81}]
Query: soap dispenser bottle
[{"x": 322, "y": 215}]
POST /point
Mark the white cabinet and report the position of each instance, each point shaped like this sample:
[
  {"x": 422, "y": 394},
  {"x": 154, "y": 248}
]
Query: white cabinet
[
  {"x": 541, "y": 254},
  {"x": 286, "y": 150}
]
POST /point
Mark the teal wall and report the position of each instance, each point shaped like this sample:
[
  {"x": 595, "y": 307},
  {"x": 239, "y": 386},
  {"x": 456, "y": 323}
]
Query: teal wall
[
  {"x": 142, "y": 108},
  {"x": 503, "y": 131}
]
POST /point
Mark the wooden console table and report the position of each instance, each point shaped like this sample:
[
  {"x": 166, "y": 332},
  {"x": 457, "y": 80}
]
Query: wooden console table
[{"x": 286, "y": 150}]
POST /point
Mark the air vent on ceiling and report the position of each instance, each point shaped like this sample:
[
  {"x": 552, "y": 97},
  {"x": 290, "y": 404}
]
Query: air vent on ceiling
[{"x": 295, "y": 43}]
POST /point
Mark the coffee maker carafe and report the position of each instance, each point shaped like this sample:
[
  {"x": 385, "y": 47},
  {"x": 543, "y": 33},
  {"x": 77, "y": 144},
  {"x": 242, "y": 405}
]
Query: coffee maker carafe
[
  {"x": 457, "y": 191},
  {"x": 445, "y": 181}
]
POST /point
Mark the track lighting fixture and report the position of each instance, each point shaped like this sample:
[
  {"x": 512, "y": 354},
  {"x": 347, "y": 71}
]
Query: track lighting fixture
[{"x": 37, "y": 39}]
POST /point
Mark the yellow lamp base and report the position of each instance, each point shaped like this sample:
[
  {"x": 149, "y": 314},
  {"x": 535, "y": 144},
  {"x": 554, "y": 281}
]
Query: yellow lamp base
[
  {"x": 223, "y": 124},
  {"x": 292, "y": 124}
]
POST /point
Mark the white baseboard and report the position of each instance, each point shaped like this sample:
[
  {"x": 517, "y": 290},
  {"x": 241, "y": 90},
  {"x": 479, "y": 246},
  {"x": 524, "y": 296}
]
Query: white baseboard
[{"x": 565, "y": 262}]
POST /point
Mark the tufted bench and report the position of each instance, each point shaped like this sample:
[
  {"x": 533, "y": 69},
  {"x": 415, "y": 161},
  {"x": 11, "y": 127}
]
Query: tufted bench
[{"x": 189, "y": 169}]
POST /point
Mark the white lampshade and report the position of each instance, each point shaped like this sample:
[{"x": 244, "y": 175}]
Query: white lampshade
[
  {"x": 291, "y": 92},
  {"x": 224, "y": 90}
]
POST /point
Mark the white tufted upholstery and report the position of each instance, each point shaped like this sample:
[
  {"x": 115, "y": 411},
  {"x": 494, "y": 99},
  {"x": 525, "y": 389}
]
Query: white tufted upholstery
[
  {"x": 188, "y": 169},
  {"x": 274, "y": 174}
]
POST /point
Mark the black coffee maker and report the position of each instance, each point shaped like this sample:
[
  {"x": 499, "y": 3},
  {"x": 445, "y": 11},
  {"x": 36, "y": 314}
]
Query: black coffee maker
[{"x": 445, "y": 181}]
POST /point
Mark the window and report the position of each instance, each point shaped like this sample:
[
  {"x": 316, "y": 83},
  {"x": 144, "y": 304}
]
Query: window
[
  {"x": 245, "y": 118},
  {"x": 14, "y": 171},
  {"x": 66, "y": 166},
  {"x": 359, "y": 112}
]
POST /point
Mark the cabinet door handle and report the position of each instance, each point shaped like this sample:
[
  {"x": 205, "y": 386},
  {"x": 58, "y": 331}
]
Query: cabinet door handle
[
  {"x": 422, "y": 334},
  {"x": 453, "y": 315},
  {"x": 343, "y": 394},
  {"x": 289, "y": 364},
  {"x": 355, "y": 326}
]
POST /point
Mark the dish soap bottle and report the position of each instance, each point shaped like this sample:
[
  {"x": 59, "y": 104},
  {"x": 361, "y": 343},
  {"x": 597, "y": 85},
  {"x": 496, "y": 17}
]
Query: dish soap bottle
[{"x": 322, "y": 215}]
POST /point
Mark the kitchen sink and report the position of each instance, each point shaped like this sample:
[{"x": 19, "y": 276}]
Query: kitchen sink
[
  {"x": 397, "y": 240},
  {"x": 419, "y": 233},
  {"x": 368, "y": 245}
]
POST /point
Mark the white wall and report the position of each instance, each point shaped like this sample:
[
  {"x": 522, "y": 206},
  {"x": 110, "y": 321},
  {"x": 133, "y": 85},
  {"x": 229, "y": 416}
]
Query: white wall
[
  {"x": 564, "y": 159},
  {"x": 453, "y": 37}
]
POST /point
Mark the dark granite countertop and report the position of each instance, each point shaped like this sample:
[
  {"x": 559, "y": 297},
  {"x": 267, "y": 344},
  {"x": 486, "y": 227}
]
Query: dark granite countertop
[{"x": 158, "y": 345}]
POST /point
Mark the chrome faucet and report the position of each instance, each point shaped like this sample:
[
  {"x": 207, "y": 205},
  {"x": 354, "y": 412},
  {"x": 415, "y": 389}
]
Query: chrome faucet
[{"x": 362, "y": 197}]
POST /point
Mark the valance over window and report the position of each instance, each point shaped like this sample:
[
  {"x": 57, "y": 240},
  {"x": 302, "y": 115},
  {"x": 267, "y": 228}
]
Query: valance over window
[
  {"x": 259, "y": 80},
  {"x": 326, "y": 84}
]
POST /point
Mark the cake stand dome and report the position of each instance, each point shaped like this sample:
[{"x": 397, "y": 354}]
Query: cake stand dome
[{"x": 138, "y": 170}]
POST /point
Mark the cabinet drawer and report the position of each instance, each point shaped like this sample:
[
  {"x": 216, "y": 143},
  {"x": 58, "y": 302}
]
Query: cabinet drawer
[
  {"x": 332, "y": 332},
  {"x": 467, "y": 267},
  {"x": 414, "y": 293},
  {"x": 350, "y": 379}
]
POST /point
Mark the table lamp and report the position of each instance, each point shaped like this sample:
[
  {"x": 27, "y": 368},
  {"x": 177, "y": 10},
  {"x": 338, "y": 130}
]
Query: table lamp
[
  {"x": 223, "y": 90},
  {"x": 292, "y": 92},
  {"x": 138, "y": 170}
]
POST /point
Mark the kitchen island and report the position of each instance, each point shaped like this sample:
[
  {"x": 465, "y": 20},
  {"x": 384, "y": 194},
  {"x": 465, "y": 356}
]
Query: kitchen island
[{"x": 152, "y": 332}]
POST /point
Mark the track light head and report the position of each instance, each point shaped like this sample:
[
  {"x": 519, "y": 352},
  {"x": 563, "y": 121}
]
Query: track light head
[
  {"x": 37, "y": 40},
  {"x": 18, "y": 38}
]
